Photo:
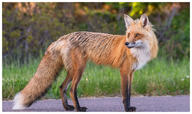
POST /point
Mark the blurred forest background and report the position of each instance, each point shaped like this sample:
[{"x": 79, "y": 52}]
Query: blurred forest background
[{"x": 28, "y": 28}]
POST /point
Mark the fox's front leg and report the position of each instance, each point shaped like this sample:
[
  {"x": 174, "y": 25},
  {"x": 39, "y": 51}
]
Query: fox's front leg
[{"x": 126, "y": 80}]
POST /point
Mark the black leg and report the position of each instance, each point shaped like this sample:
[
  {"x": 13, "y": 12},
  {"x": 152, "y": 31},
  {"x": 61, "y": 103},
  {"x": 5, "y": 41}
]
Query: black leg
[
  {"x": 126, "y": 92},
  {"x": 130, "y": 108}
]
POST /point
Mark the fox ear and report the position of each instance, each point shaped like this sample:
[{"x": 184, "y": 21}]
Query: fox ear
[
  {"x": 144, "y": 20},
  {"x": 128, "y": 20}
]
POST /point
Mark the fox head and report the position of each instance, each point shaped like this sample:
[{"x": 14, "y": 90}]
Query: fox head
[
  {"x": 139, "y": 33},
  {"x": 140, "y": 36}
]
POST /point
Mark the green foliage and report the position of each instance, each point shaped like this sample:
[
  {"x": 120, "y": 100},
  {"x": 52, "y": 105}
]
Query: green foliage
[{"x": 178, "y": 45}]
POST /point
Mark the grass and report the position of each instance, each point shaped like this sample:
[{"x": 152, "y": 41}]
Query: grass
[{"x": 159, "y": 77}]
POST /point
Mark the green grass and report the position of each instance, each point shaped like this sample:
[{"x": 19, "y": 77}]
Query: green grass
[{"x": 159, "y": 77}]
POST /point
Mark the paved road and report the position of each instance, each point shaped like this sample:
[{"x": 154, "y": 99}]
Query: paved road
[{"x": 109, "y": 104}]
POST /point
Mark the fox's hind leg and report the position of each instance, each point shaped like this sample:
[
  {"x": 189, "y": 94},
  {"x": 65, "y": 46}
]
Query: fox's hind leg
[
  {"x": 63, "y": 92},
  {"x": 73, "y": 90}
]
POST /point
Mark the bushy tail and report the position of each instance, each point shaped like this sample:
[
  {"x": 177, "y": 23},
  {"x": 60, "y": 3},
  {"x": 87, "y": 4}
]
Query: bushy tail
[{"x": 46, "y": 73}]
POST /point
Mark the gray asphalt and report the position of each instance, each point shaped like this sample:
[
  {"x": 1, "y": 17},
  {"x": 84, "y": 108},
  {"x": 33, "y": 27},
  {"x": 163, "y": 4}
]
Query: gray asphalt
[{"x": 113, "y": 104}]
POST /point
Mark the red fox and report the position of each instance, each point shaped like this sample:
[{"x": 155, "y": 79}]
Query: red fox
[{"x": 128, "y": 53}]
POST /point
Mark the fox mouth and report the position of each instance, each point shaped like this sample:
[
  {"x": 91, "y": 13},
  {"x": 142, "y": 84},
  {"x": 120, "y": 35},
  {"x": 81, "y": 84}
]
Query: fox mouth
[
  {"x": 137, "y": 44},
  {"x": 130, "y": 45}
]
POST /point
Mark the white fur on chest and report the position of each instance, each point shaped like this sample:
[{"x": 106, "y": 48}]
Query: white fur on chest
[{"x": 142, "y": 55}]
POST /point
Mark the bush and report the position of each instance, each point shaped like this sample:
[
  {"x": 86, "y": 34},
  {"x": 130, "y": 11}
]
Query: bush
[{"x": 178, "y": 44}]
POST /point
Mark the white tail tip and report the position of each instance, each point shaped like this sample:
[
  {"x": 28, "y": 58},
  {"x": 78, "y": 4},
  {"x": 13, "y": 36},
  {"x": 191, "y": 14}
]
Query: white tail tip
[{"x": 18, "y": 102}]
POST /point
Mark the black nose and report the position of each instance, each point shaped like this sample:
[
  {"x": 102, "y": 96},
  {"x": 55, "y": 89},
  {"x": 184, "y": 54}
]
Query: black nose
[{"x": 126, "y": 43}]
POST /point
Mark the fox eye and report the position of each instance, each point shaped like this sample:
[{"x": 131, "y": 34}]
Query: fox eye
[{"x": 137, "y": 34}]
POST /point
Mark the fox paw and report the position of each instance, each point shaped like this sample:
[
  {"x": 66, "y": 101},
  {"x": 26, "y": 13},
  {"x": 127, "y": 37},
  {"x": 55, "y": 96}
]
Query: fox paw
[
  {"x": 69, "y": 108},
  {"x": 82, "y": 109},
  {"x": 132, "y": 109}
]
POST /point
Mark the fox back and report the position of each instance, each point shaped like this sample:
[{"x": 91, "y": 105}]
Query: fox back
[{"x": 101, "y": 48}]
